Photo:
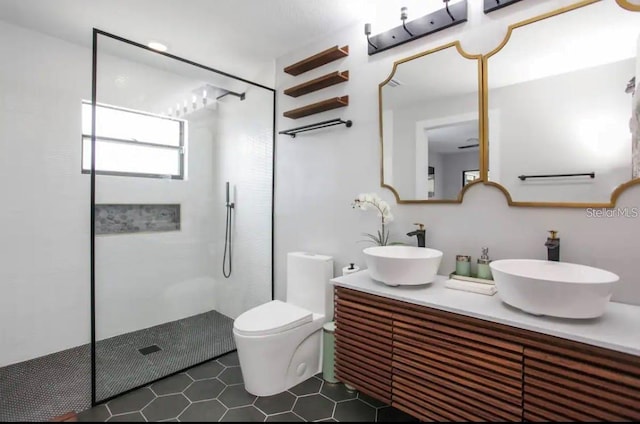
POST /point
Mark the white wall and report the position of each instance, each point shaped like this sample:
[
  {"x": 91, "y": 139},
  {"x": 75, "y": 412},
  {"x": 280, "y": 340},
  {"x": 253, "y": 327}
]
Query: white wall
[
  {"x": 44, "y": 241},
  {"x": 320, "y": 172},
  {"x": 148, "y": 279},
  {"x": 243, "y": 156}
]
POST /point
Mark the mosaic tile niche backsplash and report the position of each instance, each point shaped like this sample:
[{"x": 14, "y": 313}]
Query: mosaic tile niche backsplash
[{"x": 133, "y": 218}]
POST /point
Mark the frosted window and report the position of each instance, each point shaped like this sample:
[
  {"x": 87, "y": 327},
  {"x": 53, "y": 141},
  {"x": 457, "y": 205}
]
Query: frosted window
[
  {"x": 131, "y": 159},
  {"x": 133, "y": 143}
]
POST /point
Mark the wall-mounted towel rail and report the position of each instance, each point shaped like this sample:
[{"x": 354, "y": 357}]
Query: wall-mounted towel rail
[
  {"x": 585, "y": 174},
  {"x": 293, "y": 131}
]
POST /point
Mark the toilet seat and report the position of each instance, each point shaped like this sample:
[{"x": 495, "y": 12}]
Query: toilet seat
[{"x": 271, "y": 318}]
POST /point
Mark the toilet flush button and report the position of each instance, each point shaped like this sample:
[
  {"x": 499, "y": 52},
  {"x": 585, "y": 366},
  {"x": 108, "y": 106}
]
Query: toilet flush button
[{"x": 301, "y": 369}]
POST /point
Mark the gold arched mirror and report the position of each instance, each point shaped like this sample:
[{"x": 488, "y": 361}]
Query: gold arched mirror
[
  {"x": 633, "y": 5},
  {"x": 560, "y": 101},
  {"x": 430, "y": 125}
]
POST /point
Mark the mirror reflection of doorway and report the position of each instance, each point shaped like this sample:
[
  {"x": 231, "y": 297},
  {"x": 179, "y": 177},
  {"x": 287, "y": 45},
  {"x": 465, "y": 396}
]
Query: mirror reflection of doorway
[
  {"x": 451, "y": 148},
  {"x": 431, "y": 182},
  {"x": 469, "y": 176}
]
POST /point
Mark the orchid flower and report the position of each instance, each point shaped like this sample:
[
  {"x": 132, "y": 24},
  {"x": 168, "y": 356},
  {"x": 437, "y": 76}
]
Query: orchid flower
[{"x": 366, "y": 200}]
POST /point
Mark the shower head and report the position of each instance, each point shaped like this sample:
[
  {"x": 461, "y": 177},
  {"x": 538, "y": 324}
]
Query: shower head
[{"x": 208, "y": 91}]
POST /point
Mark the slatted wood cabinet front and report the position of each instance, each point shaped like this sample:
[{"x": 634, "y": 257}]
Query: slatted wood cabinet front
[
  {"x": 563, "y": 384},
  {"x": 363, "y": 350},
  {"x": 441, "y": 366}
]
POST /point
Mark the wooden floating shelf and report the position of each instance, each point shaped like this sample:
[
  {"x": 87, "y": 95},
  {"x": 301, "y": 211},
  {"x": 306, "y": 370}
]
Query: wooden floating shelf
[
  {"x": 328, "y": 80},
  {"x": 326, "y": 56},
  {"x": 322, "y": 106}
]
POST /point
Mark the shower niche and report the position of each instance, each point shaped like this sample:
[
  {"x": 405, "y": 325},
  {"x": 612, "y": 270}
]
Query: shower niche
[{"x": 167, "y": 136}]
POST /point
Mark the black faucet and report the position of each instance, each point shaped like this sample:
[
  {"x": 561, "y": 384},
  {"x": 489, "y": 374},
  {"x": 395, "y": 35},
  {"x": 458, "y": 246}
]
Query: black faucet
[
  {"x": 553, "y": 246},
  {"x": 420, "y": 233}
]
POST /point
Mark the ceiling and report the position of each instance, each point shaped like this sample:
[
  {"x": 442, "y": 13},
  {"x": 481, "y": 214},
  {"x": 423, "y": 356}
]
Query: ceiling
[
  {"x": 242, "y": 37},
  {"x": 448, "y": 138},
  {"x": 443, "y": 74},
  {"x": 236, "y": 36}
]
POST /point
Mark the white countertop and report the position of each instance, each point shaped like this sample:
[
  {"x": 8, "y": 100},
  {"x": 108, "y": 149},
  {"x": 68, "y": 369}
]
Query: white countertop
[{"x": 618, "y": 329}]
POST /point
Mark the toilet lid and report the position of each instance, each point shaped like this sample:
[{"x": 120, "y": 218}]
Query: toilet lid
[{"x": 270, "y": 318}]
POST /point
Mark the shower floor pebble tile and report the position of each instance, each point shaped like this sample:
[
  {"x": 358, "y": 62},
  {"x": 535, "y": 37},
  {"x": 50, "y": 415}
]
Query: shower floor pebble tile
[
  {"x": 52, "y": 385},
  {"x": 214, "y": 391}
]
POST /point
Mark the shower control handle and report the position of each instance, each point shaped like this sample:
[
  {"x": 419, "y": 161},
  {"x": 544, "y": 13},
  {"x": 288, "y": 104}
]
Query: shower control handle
[
  {"x": 227, "y": 236},
  {"x": 228, "y": 204}
]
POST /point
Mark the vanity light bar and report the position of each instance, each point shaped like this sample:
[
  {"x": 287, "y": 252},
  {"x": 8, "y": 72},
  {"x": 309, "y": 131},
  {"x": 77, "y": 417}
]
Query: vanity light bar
[
  {"x": 441, "y": 19},
  {"x": 491, "y": 5}
]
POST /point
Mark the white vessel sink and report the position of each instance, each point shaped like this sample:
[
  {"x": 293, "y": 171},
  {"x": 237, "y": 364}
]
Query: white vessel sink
[
  {"x": 558, "y": 289},
  {"x": 402, "y": 265}
]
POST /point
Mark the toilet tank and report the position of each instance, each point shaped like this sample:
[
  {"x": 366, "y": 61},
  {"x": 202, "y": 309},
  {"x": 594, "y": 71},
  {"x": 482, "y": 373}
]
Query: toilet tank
[{"x": 308, "y": 284}]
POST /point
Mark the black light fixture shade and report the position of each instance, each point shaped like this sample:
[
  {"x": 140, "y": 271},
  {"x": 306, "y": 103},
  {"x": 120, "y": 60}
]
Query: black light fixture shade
[{"x": 428, "y": 24}]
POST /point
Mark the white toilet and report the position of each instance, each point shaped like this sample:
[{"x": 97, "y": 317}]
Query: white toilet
[{"x": 280, "y": 343}]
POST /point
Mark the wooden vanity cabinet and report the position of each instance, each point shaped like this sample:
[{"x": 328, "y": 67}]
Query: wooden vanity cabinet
[
  {"x": 569, "y": 383},
  {"x": 448, "y": 368},
  {"x": 442, "y": 366},
  {"x": 363, "y": 352}
]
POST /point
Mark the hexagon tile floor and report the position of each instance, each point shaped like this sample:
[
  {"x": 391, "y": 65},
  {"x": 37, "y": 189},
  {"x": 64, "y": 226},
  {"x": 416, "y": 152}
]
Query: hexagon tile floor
[{"x": 214, "y": 391}]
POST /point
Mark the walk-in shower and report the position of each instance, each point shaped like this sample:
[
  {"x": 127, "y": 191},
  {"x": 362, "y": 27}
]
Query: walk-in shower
[{"x": 162, "y": 139}]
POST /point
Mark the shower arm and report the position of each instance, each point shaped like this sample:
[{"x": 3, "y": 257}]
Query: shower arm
[{"x": 240, "y": 95}]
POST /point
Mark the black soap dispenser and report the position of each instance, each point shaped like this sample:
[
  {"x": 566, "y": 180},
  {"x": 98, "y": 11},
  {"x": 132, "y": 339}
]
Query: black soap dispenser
[{"x": 553, "y": 246}]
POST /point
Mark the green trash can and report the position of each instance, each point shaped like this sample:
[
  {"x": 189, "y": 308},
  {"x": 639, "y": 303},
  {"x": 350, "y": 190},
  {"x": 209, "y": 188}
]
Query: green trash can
[{"x": 328, "y": 352}]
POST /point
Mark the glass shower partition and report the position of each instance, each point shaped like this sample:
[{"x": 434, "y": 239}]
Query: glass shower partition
[{"x": 168, "y": 135}]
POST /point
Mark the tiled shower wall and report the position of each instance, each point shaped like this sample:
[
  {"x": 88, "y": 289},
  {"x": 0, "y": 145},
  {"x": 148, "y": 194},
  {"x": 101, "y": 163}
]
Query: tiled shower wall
[
  {"x": 243, "y": 155},
  {"x": 146, "y": 278}
]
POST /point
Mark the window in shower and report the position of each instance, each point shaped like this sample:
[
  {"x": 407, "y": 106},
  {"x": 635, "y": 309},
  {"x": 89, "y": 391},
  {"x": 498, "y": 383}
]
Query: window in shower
[{"x": 133, "y": 143}]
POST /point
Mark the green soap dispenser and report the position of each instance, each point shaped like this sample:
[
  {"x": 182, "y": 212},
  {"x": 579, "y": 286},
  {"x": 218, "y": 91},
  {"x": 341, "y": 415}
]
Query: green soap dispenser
[{"x": 484, "y": 270}]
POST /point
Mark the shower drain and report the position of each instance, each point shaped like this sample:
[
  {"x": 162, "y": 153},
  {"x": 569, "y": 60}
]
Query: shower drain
[{"x": 149, "y": 349}]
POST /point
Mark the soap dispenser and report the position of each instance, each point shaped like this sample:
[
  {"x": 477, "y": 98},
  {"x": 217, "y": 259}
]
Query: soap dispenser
[{"x": 484, "y": 270}]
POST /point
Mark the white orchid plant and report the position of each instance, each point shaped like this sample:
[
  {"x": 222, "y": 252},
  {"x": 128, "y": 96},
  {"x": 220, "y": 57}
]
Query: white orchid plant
[{"x": 366, "y": 201}]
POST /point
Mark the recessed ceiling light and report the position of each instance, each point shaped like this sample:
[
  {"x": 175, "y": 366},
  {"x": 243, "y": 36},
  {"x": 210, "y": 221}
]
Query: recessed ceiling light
[{"x": 157, "y": 46}]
